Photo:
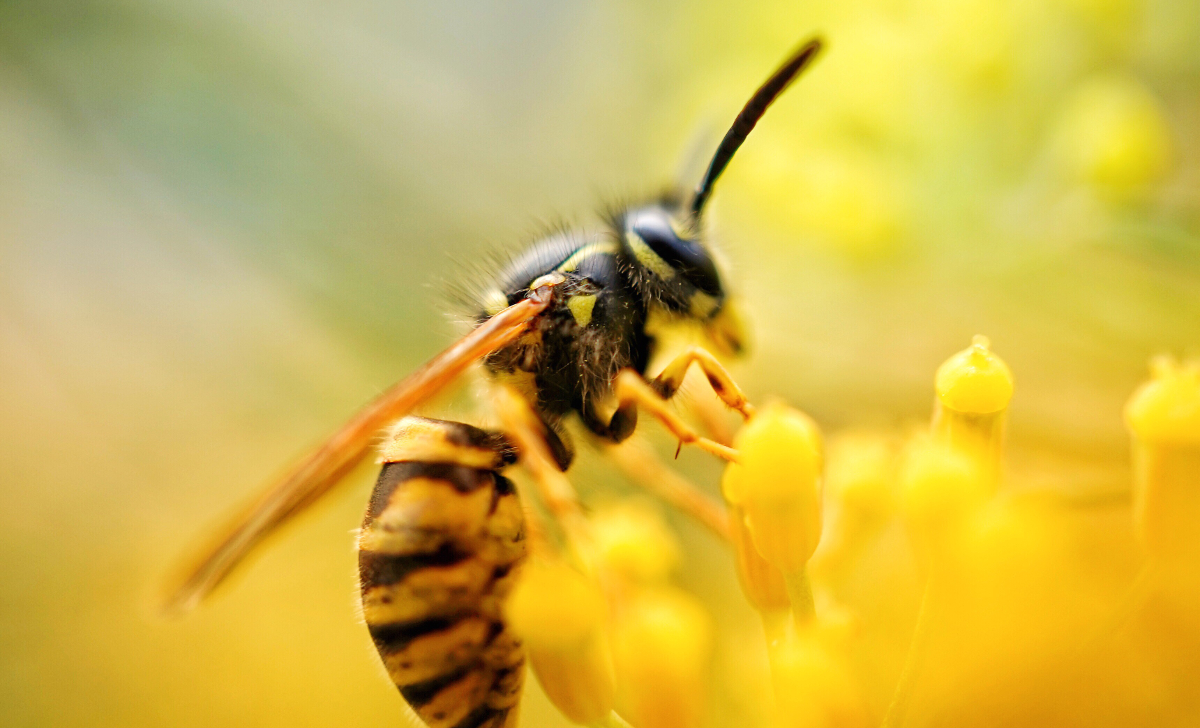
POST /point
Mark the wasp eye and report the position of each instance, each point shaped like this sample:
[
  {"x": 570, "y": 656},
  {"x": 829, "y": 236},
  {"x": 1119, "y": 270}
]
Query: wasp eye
[{"x": 687, "y": 258}]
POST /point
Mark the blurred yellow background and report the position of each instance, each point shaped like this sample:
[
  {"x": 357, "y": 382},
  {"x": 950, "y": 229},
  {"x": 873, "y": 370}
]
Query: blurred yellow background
[{"x": 225, "y": 225}]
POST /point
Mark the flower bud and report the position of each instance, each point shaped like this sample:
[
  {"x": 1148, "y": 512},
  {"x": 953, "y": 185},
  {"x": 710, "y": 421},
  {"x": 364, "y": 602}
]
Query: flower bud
[
  {"x": 860, "y": 479},
  {"x": 631, "y": 540},
  {"x": 762, "y": 582},
  {"x": 813, "y": 685},
  {"x": 1113, "y": 135},
  {"x": 777, "y": 484},
  {"x": 662, "y": 644},
  {"x": 860, "y": 475},
  {"x": 973, "y": 391},
  {"x": 941, "y": 488},
  {"x": 1163, "y": 416},
  {"x": 561, "y": 617}
]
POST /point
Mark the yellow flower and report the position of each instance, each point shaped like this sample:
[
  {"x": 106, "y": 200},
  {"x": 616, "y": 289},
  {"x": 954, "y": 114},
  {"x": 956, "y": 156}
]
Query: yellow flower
[
  {"x": 632, "y": 540},
  {"x": 1113, "y": 136},
  {"x": 1164, "y": 418},
  {"x": 814, "y": 687},
  {"x": 662, "y": 643},
  {"x": 941, "y": 487},
  {"x": 777, "y": 484},
  {"x": 562, "y": 618},
  {"x": 973, "y": 391}
]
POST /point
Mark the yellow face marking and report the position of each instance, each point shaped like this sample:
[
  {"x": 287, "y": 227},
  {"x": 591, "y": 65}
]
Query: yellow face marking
[
  {"x": 701, "y": 305},
  {"x": 581, "y": 308},
  {"x": 681, "y": 228},
  {"x": 494, "y": 301},
  {"x": 647, "y": 257},
  {"x": 570, "y": 264},
  {"x": 661, "y": 323}
]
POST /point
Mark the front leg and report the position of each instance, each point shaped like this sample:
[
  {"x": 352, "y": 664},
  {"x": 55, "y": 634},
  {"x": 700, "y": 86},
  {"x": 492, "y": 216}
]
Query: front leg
[
  {"x": 654, "y": 393},
  {"x": 668, "y": 382},
  {"x": 631, "y": 391}
]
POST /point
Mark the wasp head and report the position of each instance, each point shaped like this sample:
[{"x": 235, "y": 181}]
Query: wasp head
[{"x": 673, "y": 268}]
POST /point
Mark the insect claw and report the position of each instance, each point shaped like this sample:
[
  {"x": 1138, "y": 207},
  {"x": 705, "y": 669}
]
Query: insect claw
[{"x": 678, "y": 448}]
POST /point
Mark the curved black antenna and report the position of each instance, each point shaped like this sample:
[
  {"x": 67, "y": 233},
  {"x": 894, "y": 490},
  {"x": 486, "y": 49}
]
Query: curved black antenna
[{"x": 749, "y": 116}]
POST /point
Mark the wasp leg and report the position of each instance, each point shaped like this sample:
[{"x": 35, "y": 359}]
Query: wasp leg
[
  {"x": 528, "y": 432},
  {"x": 631, "y": 391},
  {"x": 668, "y": 382},
  {"x": 437, "y": 553},
  {"x": 562, "y": 451}
]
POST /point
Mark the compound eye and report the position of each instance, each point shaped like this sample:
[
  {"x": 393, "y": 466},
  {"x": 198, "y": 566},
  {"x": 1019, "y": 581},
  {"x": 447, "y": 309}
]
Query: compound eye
[{"x": 688, "y": 258}]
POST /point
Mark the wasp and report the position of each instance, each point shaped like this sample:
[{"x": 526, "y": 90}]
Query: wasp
[{"x": 571, "y": 325}]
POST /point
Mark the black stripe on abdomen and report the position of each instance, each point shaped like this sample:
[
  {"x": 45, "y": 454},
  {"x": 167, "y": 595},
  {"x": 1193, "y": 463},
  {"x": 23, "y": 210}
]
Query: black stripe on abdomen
[
  {"x": 464, "y": 479},
  {"x": 376, "y": 569}
]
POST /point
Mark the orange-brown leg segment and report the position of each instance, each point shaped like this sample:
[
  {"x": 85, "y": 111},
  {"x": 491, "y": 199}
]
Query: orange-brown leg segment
[
  {"x": 527, "y": 432},
  {"x": 667, "y": 383},
  {"x": 632, "y": 391}
]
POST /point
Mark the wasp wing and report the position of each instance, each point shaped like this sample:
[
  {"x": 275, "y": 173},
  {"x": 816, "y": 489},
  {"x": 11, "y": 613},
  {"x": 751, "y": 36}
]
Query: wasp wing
[{"x": 320, "y": 470}]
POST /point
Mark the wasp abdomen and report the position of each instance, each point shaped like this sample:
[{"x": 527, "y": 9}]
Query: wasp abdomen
[{"x": 441, "y": 536}]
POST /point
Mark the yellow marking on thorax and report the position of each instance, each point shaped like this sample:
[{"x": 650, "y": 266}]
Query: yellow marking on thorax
[
  {"x": 647, "y": 257},
  {"x": 570, "y": 264},
  {"x": 494, "y": 301},
  {"x": 581, "y": 308}
]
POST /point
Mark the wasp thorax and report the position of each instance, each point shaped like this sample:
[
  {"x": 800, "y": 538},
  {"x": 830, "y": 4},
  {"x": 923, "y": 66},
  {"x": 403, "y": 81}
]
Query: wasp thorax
[{"x": 672, "y": 266}]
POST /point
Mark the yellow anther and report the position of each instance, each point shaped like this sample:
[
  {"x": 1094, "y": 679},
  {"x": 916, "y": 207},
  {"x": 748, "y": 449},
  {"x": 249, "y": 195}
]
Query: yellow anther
[
  {"x": 975, "y": 380},
  {"x": 860, "y": 475},
  {"x": 861, "y": 480},
  {"x": 777, "y": 484},
  {"x": 561, "y": 617},
  {"x": 762, "y": 583},
  {"x": 1167, "y": 408},
  {"x": 1164, "y": 417},
  {"x": 554, "y": 606},
  {"x": 973, "y": 391}
]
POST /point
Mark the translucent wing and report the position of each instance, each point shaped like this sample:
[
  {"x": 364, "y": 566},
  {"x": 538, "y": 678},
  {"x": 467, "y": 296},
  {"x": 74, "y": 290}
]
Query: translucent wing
[{"x": 318, "y": 472}]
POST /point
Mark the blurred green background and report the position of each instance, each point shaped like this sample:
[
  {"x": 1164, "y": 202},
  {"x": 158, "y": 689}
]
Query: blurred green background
[{"x": 225, "y": 225}]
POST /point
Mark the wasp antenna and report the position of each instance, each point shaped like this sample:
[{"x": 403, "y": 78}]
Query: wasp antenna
[{"x": 749, "y": 116}]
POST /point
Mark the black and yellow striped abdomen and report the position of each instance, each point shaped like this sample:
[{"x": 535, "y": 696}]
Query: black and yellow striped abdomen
[{"x": 439, "y": 543}]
